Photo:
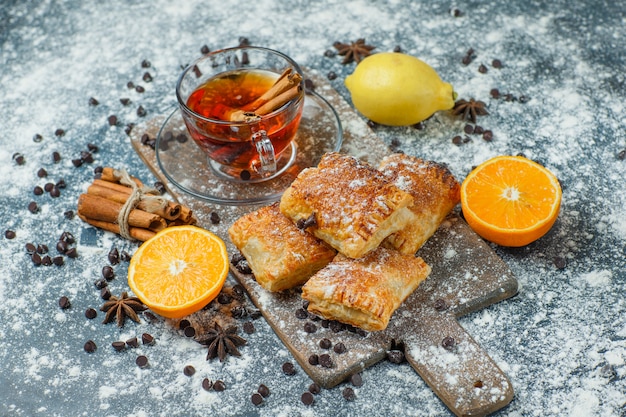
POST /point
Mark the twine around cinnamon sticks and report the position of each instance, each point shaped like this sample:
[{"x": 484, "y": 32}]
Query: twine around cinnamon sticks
[{"x": 122, "y": 204}]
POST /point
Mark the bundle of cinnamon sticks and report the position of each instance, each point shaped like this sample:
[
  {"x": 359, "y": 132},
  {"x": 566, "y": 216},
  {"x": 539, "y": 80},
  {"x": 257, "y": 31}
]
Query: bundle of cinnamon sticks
[{"x": 100, "y": 206}]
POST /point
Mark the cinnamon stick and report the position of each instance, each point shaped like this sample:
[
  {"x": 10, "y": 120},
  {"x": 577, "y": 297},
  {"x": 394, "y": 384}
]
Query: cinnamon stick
[
  {"x": 279, "y": 100},
  {"x": 135, "y": 232},
  {"x": 105, "y": 210},
  {"x": 169, "y": 212},
  {"x": 112, "y": 175}
]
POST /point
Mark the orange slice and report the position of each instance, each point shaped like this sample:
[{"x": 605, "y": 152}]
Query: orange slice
[
  {"x": 179, "y": 270},
  {"x": 510, "y": 200}
]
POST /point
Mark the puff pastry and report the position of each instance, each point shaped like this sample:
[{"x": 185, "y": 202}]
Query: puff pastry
[
  {"x": 364, "y": 292},
  {"x": 280, "y": 255},
  {"x": 435, "y": 192},
  {"x": 354, "y": 207}
]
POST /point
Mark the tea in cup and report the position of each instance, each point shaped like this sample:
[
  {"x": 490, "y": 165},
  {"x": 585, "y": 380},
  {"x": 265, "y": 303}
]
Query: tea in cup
[{"x": 242, "y": 107}]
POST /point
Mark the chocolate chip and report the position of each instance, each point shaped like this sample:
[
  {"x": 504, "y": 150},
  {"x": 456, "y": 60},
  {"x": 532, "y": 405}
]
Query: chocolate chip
[
  {"x": 440, "y": 304},
  {"x": 314, "y": 388},
  {"x": 448, "y": 343},
  {"x": 86, "y": 157},
  {"x": 46, "y": 260},
  {"x": 560, "y": 262},
  {"x": 140, "y": 89},
  {"x": 59, "y": 132},
  {"x": 302, "y": 314},
  {"x": 108, "y": 273},
  {"x": 245, "y": 175},
  {"x": 488, "y": 135},
  {"x": 118, "y": 345},
  {"x": 289, "y": 368},
  {"x": 64, "y": 303},
  {"x": 72, "y": 253},
  {"x": 219, "y": 385},
  {"x": 77, "y": 162},
  {"x": 55, "y": 192},
  {"x": 336, "y": 326},
  {"x": 30, "y": 248},
  {"x": 42, "y": 173},
  {"x": 90, "y": 346},
  {"x": 482, "y": 69},
  {"x": 36, "y": 258},
  {"x": 48, "y": 187},
  {"x": 264, "y": 391},
  {"x": 524, "y": 99},
  {"x": 101, "y": 283},
  {"x": 147, "y": 77},
  {"x": 224, "y": 298},
  {"x": 62, "y": 246},
  {"x": 478, "y": 384},
  {"x": 248, "y": 327},
  {"x": 93, "y": 101},
  {"x": 348, "y": 394},
  {"x": 189, "y": 331},
  {"x": 256, "y": 399},
  {"x": 325, "y": 343},
  {"x": 37, "y": 138},
  {"x": 207, "y": 384},
  {"x": 142, "y": 361},
  {"x": 621, "y": 155},
  {"x": 19, "y": 158},
  {"x": 329, "y": 53},
  {"x": 91, "y": 313},
  {"x": 67, "y": 237},
  {"x": 325, "y": 360},
  {"x": 184, "y": 323},
  {"x": 310, "y": 327},
  {"x": 307, "y": 398},
  {"x": 331, "y": 75},
  {"x": 395, "y": 356},
  {"x": 204, "y": 50},
  {"x": 132, "y": 342},
  {"x": 478, "y": 130},
  {"x": 469, "y": 129},
  {"x": 98, "y": 171},
  {"x": 356, "y": 380},
  {"x": 189, "y": 370},
  {"x": 160, "y": 187},
  {"x": 466, "y": 60},
  {"x": 125, "y": 256},
  {"x": 105, "y": 293},
  {"x": 496, "y": 63},
  {"x": 214, "y": 217},
  {"x": 457, "y": 140},
  {"x": 147, "y": 339},
  {"x": 339, "y": 348},
  {"x": 314, "y": 360},
  {"x": 145, "y": 64},
  {"x": 181, "y": 138},
  {"x": 113, "y": 256},
  {"x": 9, "y": 234},
  {"x": 112, "y": 119},
  {"x": 68, "y": 214},
  {"x": 33, "y": 207},
  {"x": 495, "y": 93},
  {"x": 58, "y": 261},
  {"x": 125, "y": 101}
]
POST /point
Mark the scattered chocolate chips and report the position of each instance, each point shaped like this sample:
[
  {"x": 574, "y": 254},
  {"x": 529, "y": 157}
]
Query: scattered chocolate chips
[
  {"x": 348, "y": 394},
  {"x": 621, "y": 155},
  {"x": 469, "y": 129},
  {"x": 38, "y": 190},
  {"x": 42, "y": 173},
  {"x": 325, "y": 360},
  {"x": 71, "y": 253},
  {"x": 495, "y": 93},
  {"x": 302, "y": 314},
  {"x": 64, "y": 303},
  {"x": 457, "y": 140},
  {"x": 113, "y": 256},
  {"x": 189, "y": 370},
  {"x": 147, "y": 339},
  {"x": 339, "y": 348},
  {"x": 204, "y": 50},
  {"x": 224, "y": 298},
  {"x": 478, "y": 384},
  {"x": 101, "y": 283},
  {"x": 289, "y": 368},
  {"x": 55, "y": 192},
  {"x": 559, "y": 262},
  {"x": 108, "y": 273},
  {"x": 91, "y": 313},
  {"x": 160, "y": 187},
  {"x": 314, "y": 388},
  {"x": 140, "y": 89},
  {"x": 207, "y": 384},
  {"x": 147, "y": 77},
  {"x": 77, "y": 162},
  {"x": 105, "y": 293},
  {"x": 448, "y": 343},
  {"x": 325, "y": 343},
  {"x": 307, "y": 398},
  {"x": 90, "y": 346},
  {"x": 9, "y": 234},
  {"x": 257, "y": 399},
  {"x": 36, "y": 258},
  {"x": 68, "y": 214},
  {"x": 482, "y": 69},
  {"x": 19, "y": 158},
  {"x": 245, "y": 175},
  {"x": 310, "y": 327},
  {"x": 189, "y": 331},
  {"x": 469, "y": 57},
  {"x": 264, "y": 391},
  {"x": 59, "y": 132},
  {"x": 496, "y": 63},
  {"x": 356, "y": 380},
  {"x": 133, "y": 342},
  {"x": 454, "y": 12},
  {"x": 58, "y": 261},
  {"x": 440, "y": 304},
  {"x": 125, "y": 101},
  {"x": 314, "y": 360},
  {"x": 48, "y": 187},
  {"x": 118, "y": 345},
  {"x": 30, "y": 248},
  {"x": 248, "y": 327},
  {"x": 46, "y": 260},
  {"x": 125, "y": 256},
  {"x": 141, "y": 112},
  {"x": 395, "y": 356},
  {"x": 488, "y": 135},
  {"x": 93, "y": 101},
  {"x": 142, "y": 361},
  {"x": 145, "y": 64},
  {"x": 112, "y": 119},
  {"x": 33, "y": 207},
  {"x": 214, "y": 217},
  {"x": 331, "y": 75},
  {"x": 219, "y": 385},
  {"x": 397, "y": 49}
]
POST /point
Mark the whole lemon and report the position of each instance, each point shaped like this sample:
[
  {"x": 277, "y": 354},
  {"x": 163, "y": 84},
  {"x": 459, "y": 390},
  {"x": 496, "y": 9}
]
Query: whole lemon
[{"x": 396, "y": 89}]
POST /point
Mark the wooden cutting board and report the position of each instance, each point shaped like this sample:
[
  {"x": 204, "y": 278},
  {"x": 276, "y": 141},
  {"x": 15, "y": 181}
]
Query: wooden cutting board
[{"x": 466, "y": 276}]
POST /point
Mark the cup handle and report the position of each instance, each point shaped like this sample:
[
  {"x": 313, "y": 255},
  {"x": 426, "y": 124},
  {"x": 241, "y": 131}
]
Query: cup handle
[{"x": 266, "y": 153}]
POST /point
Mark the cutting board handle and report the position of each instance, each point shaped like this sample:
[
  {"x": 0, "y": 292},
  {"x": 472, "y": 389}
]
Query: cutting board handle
[{"x": 457, "y": 368}]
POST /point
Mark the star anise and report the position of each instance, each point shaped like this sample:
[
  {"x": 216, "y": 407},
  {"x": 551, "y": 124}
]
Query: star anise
[
  {"x": 354, "y": 51},
  {"x": 469, "y": 109},
  {"x": 222, "y": 342},
  {"x": 122, "y": 307}
]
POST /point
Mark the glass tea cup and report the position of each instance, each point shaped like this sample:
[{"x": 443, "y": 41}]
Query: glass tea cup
[{"x": 223, "y": 98}]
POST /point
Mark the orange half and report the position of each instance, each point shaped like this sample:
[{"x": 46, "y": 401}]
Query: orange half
[
  {"x": 179, "y": 270},
  {"x": 511, "y": 200}
]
